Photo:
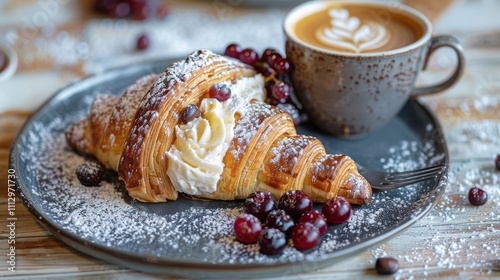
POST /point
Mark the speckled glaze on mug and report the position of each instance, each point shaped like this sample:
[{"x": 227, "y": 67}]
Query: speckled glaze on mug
[{"x": 349, "y": 94}]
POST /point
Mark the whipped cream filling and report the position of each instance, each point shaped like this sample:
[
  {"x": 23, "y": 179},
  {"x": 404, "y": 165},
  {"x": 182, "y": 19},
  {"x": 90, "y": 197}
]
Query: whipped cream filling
[
  {"x": 195, "y": 159},
  {"x": 347, "y": 32}
]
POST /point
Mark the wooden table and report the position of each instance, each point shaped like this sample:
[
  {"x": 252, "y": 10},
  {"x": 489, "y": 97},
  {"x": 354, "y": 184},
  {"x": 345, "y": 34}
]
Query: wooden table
[{"x": 455, "y": 240}]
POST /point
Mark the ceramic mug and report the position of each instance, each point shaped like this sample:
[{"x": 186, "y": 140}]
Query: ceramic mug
[{"x": 349, "y": 93}]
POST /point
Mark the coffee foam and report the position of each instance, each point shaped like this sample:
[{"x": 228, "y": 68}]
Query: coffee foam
[
  {"x": 405, "y": 28},
  {"x": 348, "y": 32}
]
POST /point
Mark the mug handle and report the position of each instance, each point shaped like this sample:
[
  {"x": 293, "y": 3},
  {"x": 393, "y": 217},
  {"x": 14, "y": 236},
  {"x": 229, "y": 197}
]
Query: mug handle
[{"x": 435, "y": 43}]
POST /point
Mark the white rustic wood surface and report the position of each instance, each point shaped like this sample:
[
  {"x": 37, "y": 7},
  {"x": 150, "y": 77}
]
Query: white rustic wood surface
[{"x": 454, "y": 241}]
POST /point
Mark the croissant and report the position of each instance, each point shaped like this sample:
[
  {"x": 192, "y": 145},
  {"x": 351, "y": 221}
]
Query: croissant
[{"x": 236, "y": 147}]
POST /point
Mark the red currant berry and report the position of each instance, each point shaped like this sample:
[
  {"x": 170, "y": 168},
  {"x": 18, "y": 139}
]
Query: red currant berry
[
  {"x": 104, "y": 5},
  {"x": 121, "y": 10},
  {"x": 247, "y": 228},
  {"x": 477, "y": 196},
  {"x": 141, "y": 9},
  {"x": 337, "y": 210},
  {"x": 259, "y": 204},
  {"x": 305, "y": 236},
  {"x": 272, "y": 58},
  {"x": 295, "y": 203},
  {"x": 190, "y": 113},
  {"x": 233, "y": 50},
  {"x": 220, "y": 91},
  {"x": 249, "y": 57},
  {"x": 497, "y": 162},
  {"x": 272, "y": 241},
  {"x": 142, "y": 42},
  {"x": 267, "y": 52},
  {"x": 281, "y": 91},
  {"x": 317, "y": 219},
  {"x": 282, "y": 65},
  {"x": 281, "y": 220}
]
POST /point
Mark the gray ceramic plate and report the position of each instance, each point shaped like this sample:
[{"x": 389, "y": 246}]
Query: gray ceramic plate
[{"x": 194, "y": 238}]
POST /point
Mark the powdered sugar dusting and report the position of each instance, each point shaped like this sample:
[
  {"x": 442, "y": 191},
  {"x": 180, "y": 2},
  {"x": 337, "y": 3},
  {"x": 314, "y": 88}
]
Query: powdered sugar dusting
[{"x": 248, "y": 126}]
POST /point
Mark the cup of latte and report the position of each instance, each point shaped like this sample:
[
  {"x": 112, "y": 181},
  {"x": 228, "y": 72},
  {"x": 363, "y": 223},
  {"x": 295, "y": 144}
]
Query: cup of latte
[{"x": 356, "y": 63}]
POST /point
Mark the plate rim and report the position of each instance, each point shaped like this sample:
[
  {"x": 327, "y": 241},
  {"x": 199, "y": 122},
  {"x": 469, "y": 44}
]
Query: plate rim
[{"x": 195, "y": 268}]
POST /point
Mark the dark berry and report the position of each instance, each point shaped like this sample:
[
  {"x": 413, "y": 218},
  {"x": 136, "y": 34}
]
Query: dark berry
[
  {"x": 105, "y": 5},
  {"x": 267, "y": 52},
  {"x": 281, "y": 220},
  {"x": 141, "y": 9},
  {"x": 305, "y": 236},
  {"x": 272, "y": 58},
  {"x": 293, "y": 111},
  {"x": 282, "y": 65},
  {"x": 387, "y": 265},
  {"x": 247, "y": 228},
  {"x": 249, "y": 57},
  {"x": 220, "y": 91},
  {"x": 190, "y": 113},
  {"x": 281, "y": 91},
  {"x": 337, "y": 210},
  {"x": 259, "y": 204},
  {"x": 295, "y": 203},
  {"x": 477, "y": 196},
  {"x": 233, "y": 50},
  {"x": 272, "y": 241},
  {"x": 269, "y": 88},
  {"x": 317, "y": 219},
  {"x": 90, "y": 173},
  {"x": 142, "y": 42},
  {"x": 122, "y": 9},
  {"x": 497, "y": 162}
]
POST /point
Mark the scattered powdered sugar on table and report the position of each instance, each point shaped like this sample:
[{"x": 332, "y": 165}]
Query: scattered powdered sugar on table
[
  {"x": 412, "y": 155},
  {"x": 471, "y": 247},
  {"x": 107, "y": 43}
]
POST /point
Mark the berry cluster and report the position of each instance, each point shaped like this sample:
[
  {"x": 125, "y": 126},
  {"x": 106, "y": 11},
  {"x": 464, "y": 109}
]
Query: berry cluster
[
  {"x": 136, "y": 9},
  {"x": 271, "y": 223},
  {"x": 275, "y": 68}
]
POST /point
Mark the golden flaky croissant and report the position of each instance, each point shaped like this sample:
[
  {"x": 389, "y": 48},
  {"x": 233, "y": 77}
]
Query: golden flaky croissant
[{"x": 234, "y": 148}]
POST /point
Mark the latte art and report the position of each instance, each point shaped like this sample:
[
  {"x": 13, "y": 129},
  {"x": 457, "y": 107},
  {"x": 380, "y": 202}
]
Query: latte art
[{"x": 346, "y": 32}]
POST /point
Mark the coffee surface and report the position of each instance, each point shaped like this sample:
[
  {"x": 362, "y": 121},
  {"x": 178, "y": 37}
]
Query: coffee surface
[{"x": 358, "y": 28}]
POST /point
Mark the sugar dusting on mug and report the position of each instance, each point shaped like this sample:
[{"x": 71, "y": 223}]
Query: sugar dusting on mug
[{"x": 348, "y": 32}]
